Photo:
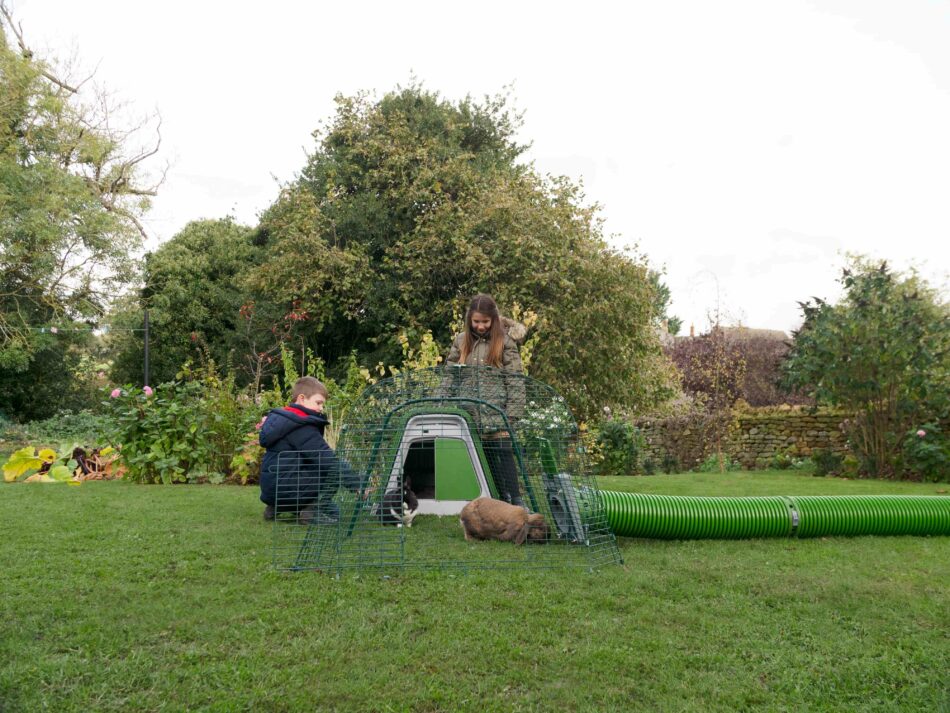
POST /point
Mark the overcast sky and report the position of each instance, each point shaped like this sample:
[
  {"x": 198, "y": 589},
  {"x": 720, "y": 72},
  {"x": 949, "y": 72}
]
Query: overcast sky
[{"x": 743, "y": 147}]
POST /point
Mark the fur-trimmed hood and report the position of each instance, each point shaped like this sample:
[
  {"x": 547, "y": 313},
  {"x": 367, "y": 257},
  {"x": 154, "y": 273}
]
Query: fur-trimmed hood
[{"x": 516, "y": 330}]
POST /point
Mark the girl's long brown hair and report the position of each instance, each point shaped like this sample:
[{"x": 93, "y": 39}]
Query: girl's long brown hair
[{"x": 496, "y": 343}]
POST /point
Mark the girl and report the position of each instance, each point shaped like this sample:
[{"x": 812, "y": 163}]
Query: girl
[{"x": 492, "y": 340}]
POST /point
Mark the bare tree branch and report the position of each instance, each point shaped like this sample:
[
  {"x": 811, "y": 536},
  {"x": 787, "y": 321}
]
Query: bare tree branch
[{"x": 17, "y": 30}]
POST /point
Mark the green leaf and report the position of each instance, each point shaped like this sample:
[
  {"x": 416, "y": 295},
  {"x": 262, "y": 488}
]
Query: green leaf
[
  {"x": 21, "y": 462},
  {"x": 60, "y": 473}
]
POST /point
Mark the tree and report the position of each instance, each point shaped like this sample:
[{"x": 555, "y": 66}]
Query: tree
[
  {"x": 762, "y": 352},
  {"x": 411, "y": 204},
  {"x": 194, "y": 292},
  {"x": 661, "y": 304},
  {"x": 712, "y": 368},
  {"x": 70, "y": 206},
  {"x": 882, "y": 353}
]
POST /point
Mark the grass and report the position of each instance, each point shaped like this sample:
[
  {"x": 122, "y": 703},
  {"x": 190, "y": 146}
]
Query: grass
[{"x": 121, "y": 597}]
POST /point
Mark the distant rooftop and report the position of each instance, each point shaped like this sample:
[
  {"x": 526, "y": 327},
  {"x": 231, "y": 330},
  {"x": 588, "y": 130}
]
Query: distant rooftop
[{"x": 742, "y": 333}]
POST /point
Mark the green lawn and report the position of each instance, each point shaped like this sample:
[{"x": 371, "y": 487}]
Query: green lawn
[{"x": 121, "y": 597}]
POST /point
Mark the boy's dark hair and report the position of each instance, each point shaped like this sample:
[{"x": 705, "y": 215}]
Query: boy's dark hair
[{"x": 308, "y": 386}]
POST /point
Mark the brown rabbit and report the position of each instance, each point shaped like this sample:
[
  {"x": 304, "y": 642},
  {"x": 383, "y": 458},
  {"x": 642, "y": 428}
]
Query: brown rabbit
[{"x": 487, "y": 519}]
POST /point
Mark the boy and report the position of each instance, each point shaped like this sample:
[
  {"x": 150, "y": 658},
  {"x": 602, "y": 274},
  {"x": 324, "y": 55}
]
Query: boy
[{"x": 310, "y": 471}]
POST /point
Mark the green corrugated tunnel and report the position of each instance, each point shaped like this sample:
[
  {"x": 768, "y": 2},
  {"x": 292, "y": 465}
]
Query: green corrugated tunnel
[{"x": 677, "y": 517}]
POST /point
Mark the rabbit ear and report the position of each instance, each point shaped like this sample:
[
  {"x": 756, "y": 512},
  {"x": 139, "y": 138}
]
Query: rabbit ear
[{"x": 522, "y": 535}]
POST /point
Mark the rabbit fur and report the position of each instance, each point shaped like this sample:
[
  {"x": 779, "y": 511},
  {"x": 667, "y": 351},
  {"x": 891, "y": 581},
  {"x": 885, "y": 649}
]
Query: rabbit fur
[{"x": 488, "y": 519}]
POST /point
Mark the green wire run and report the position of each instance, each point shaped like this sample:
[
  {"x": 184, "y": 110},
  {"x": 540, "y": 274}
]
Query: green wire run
[{"x": 672, "y": 517}]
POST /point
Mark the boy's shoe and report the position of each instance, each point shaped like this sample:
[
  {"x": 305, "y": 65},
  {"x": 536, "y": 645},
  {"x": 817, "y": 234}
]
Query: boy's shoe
[
  {"x": 269, "y": 512},
  {"x": 330, "y": 509},
  {"x": 327, "y": 514}
]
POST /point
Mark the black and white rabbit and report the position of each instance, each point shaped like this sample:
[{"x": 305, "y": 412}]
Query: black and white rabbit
[{"x": 399, "y": 508}]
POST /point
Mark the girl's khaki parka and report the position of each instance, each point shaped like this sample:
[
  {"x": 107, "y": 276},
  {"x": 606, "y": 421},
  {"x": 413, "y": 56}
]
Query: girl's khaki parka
[{"x": 504, "y": 387}]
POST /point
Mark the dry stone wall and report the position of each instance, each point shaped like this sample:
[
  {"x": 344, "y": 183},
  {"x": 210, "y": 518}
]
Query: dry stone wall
[
  {"x": 755, "y": 436},
  {"x": 763, "y": 434}
]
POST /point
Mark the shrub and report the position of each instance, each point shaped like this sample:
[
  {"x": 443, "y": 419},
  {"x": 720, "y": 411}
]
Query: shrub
[
  {"x": 827, "y": 462},
  {"x": 781, "y": 461},
  {"x": 73, "y": 426},
  {"x": 620, "y": 443},
  {"x": 926, "y": 453},
  {"x": 670, "y": 464},
  {"x": 589, "y": 437},
  {"x": 186, "y": 431},
  {"x": 788, "y": 460},
  {"x": 883, "y": 354},
  {"x": 850, "y": 466},
  {"x": 718, "y": 463}
]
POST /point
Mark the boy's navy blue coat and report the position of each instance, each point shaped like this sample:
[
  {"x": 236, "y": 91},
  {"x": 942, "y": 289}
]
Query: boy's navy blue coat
[{"x": 307, "y": 466}]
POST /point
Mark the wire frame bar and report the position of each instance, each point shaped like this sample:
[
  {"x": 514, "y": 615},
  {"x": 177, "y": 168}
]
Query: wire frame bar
[{"x": 414, "y": 449}]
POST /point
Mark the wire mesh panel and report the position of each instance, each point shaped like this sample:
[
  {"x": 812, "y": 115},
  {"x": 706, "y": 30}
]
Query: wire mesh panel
[{"x": 415, "y": 449}]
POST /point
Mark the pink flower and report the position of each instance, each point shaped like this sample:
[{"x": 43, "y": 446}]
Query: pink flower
[
  {"x": 116, "y": 393},
  {"x": 54, "y": 330},
  {"x": 921, "y": 433},
  {"x": 148, "y": 390}
]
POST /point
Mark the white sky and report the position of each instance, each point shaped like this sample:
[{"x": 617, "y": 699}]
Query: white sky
[{"x": 743, "y": 146}]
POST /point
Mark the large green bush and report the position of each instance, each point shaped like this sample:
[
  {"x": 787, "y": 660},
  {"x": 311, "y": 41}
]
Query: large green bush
[
  {"x": 411, "y": 204},
  {"x": 882, "y": 353}
]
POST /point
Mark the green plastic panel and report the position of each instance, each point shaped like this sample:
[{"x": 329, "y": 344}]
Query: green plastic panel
[{"x": 455, "y": 477}]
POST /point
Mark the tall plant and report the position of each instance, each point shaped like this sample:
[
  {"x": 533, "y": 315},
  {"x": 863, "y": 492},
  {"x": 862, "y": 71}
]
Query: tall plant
[
  {"x": 882, "y": 353},
  {"x": 410, "y": 204},
  {"x": 712, "y": 369}
]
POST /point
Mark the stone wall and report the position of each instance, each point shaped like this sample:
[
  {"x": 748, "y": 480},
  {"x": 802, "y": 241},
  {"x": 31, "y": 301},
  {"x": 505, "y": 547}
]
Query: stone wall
[
  {"x": 687, "y": 440},
  {"x": 753, "y": 436},
  {"x": 764, "y": 433}
]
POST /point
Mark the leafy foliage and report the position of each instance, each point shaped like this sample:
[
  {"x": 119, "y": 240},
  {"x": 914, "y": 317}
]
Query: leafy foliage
[
  {"x": 70, "y": 202},
  {"x": 188, "y": 431},
  {"x": 411, "y": 204},
  {"x": 661, "y": 304},
  {"x": 827, "y": 462},
  {"x": 883, "y": 353},
  {"x": 194, "y": 292},
  {"x": 788, "y": 460},
  {"x": 712, "y": 369},
  {"x": 620, "y": 445},
  {"x": 926, "y": 453},
  {"x": 762, "y": 353},
  {"x": 40, "y": 465},
  {"x": 65, "y": 425},
  {"x": 718, "y": 463},
  {"x": 61, "y": 374}
]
